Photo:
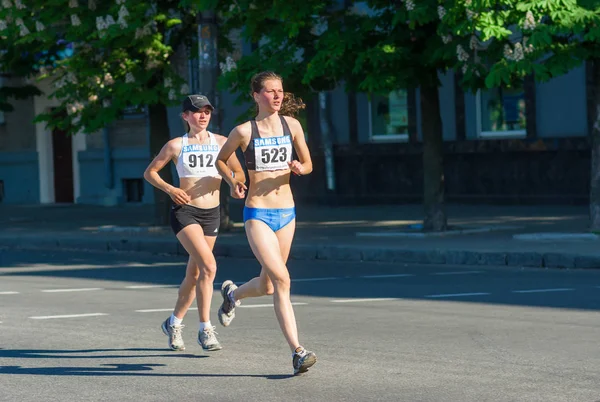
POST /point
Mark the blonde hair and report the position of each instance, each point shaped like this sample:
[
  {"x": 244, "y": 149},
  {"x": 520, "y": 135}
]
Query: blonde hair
[{"x": 290, "y": 106}]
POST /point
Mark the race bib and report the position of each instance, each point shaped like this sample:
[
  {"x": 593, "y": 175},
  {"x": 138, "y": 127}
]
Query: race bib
[
  {"x": 200, "y": 160},
  {"x": 272, "y": 153}
]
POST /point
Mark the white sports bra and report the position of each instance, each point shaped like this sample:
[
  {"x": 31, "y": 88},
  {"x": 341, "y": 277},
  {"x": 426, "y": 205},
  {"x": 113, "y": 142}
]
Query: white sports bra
[{"x": 198, "y": 160}]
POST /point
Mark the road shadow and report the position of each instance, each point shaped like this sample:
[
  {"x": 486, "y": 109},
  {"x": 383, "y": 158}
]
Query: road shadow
[
  {"x": 348, "y": 279},
  {"x": 86, "y": 354},
  {"x": 107, "y": 369},
  {"x": 133, "y": 370}
]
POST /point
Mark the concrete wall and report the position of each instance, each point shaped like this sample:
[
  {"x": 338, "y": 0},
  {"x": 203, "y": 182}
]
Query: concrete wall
[{"x": 18, "y": 158}]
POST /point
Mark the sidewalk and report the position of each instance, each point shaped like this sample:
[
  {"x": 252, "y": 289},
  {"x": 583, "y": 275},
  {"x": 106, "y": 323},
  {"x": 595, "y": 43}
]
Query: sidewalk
[{"x": 546, "y": 236}]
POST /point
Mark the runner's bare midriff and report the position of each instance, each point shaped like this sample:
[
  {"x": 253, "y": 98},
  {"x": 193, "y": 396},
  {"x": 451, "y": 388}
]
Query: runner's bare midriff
[
  {"x": 270, "y": 189},
  {"x": 204, "y": 192}
]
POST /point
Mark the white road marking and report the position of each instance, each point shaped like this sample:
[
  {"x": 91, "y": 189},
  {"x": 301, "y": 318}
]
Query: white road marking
[
  {"x": 154, "y": 310},
  {"x": 267, "y": 305},
  {"x": 457, "y": 273},
  {"x": 150, "y": 286},
  {"x": 314, "y": 279},
  {"x": 386, "y": 276},
  {"x": 9, "y": 293},
  {"x": 458, "y": 295},
  {"x": 543, "y": 290},
  {"x": 47, "y": 317},
  {"x": 70, "y": 290},
  {"x": 364, "y": 300}
]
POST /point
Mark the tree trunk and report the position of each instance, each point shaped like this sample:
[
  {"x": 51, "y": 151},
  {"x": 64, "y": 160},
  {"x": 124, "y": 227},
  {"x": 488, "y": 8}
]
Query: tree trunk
[
  {"x": 595, "y": 165},
  {"x": 208, "y": 65},
  {"x": 433, "y": 160},
  {"x": 159, "y": 136}
]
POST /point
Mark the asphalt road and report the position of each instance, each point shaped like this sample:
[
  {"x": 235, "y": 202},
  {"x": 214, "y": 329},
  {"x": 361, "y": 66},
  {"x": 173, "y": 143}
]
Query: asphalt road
[{"x": 85, "y": 327}]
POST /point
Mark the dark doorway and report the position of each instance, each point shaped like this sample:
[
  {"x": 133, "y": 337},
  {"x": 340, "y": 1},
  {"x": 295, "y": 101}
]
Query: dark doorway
[{"x": 63, "y": 166}]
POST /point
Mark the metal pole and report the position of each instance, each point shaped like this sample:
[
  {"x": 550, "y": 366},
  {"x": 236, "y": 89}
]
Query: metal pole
[{"x": 208, "y": 64}]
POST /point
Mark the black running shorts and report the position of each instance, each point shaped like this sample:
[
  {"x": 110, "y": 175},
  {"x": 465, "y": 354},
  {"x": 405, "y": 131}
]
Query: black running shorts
[{"x": 184, "y": 215}]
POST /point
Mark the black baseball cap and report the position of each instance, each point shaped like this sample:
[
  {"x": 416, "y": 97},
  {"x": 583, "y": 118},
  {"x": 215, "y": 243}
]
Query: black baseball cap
[{"x": 194, "y": 103}]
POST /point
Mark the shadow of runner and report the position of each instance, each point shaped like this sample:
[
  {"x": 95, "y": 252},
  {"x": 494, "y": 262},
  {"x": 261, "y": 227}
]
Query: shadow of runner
[
  {"x": 77, "y": 354},
  {"x": 134, "y": 370}
]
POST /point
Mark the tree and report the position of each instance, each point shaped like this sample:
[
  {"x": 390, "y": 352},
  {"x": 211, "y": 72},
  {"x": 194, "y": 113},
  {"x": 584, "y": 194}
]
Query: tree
[
  {"x": 510, "y": 39},
  {"x": 378, "y": 49},
  {"x": 124, "y": 56}
]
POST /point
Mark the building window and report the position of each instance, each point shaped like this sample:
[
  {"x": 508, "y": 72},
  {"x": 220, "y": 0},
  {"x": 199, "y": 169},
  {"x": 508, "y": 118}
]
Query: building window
[
  {"x": 133, "y": 190},
  {"x": 389, "y": 117},
  {"x": 501, "y": 113}
]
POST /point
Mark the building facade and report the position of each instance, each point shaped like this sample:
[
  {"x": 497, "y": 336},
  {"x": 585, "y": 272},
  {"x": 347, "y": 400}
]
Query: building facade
[{"x": 521, "y": 146}]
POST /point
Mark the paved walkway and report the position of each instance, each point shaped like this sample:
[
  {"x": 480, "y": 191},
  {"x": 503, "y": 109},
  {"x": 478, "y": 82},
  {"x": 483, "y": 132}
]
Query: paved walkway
[{"x": 540, "y": 236}]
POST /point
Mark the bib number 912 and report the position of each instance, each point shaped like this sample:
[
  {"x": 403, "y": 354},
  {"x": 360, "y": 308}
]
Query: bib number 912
[{"x": 198, "y": 160}]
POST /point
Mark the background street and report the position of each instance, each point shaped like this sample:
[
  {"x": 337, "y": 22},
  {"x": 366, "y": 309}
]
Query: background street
[{"x": 85, "y": 326}]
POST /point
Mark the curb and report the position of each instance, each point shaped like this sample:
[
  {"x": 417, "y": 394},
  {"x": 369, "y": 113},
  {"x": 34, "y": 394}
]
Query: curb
[{"x": 339, "y": 253}]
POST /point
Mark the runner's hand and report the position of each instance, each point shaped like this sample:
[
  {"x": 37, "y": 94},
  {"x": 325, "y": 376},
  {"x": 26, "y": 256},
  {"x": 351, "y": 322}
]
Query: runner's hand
[
  {"x": 238, "y": 189},
  {"x": 179, "y": 196},
  {"x": 296, "y": 167}
]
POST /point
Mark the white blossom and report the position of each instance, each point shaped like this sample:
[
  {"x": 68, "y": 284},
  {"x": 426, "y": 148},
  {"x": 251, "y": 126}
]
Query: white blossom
[
  {"x": 461, "y": 54},
  {"x": 465, "y": 67},
  {"x": 6, "y": 4},
  {"x": 129, "y": 78},
  {"x": 23, "y": 31},
  {"x": 518, "y": 54},
  {"x": 508, "y": 52},
  {"x": 100, "y": 24},
  {"x": 144, "y": 31},
  {"x": 39, "y": 26},
  {"x": 168, "y": 82},
  {"x": 106, "y": 103},
  {"x": 19, "y": 4},
  {"x": 93, "y": 98},
  {"x": 122, "y": 22},
  {"x": 184, "y": 90},
  {"x": 75, "y": 20},
  {"x": 108, "y": 79},
  {"x": 228, "y": 65},
  {"x": 109, "y": 20},
  {"x": 123, "y": 11},
  {"x": 441, "y": 12},
  {"x": 527, "y": 47},
  {"x": 410, "y": 5},
  {"x": 446, "y": 39},
  {"x": 172, "y": 94},
  {"x": 529, "y": 22},
  {"x": 3, "y": 25},
  {"x": 73, "y": 3},
  {"x": 473, "y": 43},
  {"x": 120, "y": 2},
  {"x": 515, "y": 55},
  {"x": 70, "y": 78}
]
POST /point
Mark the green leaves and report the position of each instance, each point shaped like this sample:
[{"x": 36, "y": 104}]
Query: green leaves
[{"x": 100, "y": 60}]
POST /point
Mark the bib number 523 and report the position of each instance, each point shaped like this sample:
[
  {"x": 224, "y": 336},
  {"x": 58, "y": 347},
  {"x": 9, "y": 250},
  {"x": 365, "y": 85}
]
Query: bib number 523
[{"x": 273, "y": 155}]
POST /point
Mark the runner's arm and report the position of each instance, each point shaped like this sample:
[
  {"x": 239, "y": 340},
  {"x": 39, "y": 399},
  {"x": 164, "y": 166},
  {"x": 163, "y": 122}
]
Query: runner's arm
[
  {"x": 227, "y": 160},
  {"x": 166, "y": 154},
  {"x": 305, "y": 166}
]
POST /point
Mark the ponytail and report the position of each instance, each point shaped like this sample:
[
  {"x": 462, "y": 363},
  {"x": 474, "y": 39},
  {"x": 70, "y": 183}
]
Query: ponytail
[{"x": 290, "y": 105}]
